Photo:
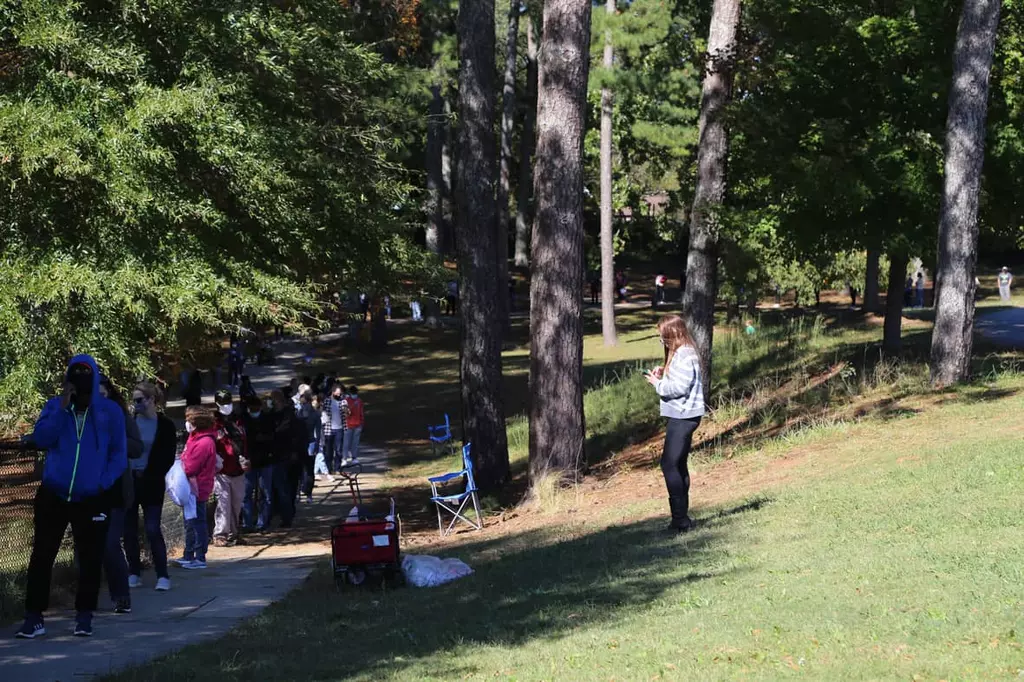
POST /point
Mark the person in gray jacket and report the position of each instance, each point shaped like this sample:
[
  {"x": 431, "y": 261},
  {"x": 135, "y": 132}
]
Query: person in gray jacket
[{"x": 678, "y": 384}]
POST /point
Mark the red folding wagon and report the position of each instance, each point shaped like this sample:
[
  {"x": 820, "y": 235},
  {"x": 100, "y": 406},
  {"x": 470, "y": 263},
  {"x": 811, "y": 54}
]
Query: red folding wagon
[{"x": 366, "y": 544}]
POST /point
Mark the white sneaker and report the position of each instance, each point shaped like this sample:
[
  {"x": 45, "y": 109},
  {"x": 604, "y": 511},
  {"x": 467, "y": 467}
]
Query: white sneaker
[
  {"x": 195, "y": 565},
  {"x": 134, "y": 581},
  {"x": 163, "y": 584},
  {"x": 183, "y": 562}
]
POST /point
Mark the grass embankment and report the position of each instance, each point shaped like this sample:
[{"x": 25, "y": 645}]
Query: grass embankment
[{"x": 886, "y": 549}]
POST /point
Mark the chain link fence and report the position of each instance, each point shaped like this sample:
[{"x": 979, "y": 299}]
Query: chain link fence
[{"x": 21, "y": 469}]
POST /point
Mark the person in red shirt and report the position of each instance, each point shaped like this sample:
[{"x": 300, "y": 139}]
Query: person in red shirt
[
  {"x": 200, "y": 463},
  {"x": 229, "y": 487},
  {"x": 353, "y": 406}
]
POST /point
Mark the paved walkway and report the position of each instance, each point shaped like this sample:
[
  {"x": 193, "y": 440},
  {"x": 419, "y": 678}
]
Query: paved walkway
[
  {"x": 239, "y": 583},
  {"x": 1005, "y": 327}
]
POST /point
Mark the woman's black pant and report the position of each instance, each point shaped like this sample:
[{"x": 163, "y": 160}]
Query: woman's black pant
[{"x": 678, "y": 439}]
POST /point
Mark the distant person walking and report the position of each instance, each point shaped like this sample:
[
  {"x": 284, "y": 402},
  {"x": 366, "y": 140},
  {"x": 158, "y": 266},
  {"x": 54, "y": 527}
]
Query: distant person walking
[
  {"x": 452, "y": 297},
  {"x": 83, "y": 434},
  {"x": 417, "y": 311},
  {"x": 659, "y": 289},
  {"x": 595, "y": 286},
  {"x": 919, "y": 291},
  {"x": 159, "y": 445},
  {"x": 353, "y": 426},
  {"x": 908, "y": 292},
  {"x": 679, "y": 385},
  {"x": 1005, "y": 282}
]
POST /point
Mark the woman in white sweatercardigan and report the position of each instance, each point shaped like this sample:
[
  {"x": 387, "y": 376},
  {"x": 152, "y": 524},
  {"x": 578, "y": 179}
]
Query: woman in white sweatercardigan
[{"x": 679, "y": 385}]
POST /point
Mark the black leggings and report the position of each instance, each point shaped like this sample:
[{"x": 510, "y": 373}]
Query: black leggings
[{"x": 678, "y": 439}]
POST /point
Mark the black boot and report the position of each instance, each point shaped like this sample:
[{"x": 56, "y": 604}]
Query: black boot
[{"x": 681, "y": 522}]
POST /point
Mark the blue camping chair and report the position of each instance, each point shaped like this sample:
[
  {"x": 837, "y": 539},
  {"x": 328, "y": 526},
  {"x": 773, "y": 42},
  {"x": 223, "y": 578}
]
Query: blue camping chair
[
  {"x": 441, "y": 435},
  {"x": 456, "y": 504}
]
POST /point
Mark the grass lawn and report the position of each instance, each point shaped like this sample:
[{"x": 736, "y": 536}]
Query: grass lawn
[{"x": 886, "y": 549}]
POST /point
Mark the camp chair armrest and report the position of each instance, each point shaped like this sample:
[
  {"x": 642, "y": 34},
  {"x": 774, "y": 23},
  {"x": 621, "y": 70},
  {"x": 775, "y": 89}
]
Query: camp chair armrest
[{"x": 447, "y": 477}]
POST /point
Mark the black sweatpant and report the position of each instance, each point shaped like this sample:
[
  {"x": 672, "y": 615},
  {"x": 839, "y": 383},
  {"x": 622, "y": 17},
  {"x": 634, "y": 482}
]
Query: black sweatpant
[
  {"x": 678, "y": 439},
  {"x": 89, "y": 521}
]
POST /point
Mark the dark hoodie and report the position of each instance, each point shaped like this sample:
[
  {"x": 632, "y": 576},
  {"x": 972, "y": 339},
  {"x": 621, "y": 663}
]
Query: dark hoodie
[{"x": 79, "y": 469}]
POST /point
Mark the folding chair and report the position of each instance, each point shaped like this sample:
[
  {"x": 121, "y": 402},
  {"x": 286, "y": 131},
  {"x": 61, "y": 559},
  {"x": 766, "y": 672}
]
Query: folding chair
[
  {"x": 456, "y": 504},
  {"x": 441, "y": 435}
]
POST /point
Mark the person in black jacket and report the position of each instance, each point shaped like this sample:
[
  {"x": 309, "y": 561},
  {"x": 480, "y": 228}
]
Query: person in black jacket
[
  {"x": 288, "y": 432},
  {"x": 159, "y": 446},
  {"x": 259, "y": 434},
  {"x": 115, "y": 565}
]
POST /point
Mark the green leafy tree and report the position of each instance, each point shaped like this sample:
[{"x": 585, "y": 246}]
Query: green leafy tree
[{"x": 171, "y": 172}]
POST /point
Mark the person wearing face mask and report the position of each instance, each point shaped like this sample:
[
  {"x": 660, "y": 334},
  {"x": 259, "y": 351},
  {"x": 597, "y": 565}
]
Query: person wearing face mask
[
  {"x": 229, "y": 486},
  {"x": 159, "y": 445},
  {"x": 334, "y": 438},
  {"x": 84, "y": 436},
  {"x": 115, "y": 565},
  {"x": 259, "y": 438},
  {"x": 199, "y": 460}
]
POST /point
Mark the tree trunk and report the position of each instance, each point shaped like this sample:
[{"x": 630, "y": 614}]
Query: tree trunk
[
  {"x": 953, "y": 336},
  {"x": 508, "y": 118},
  {"x": 556, "y": 303},
  {"x": 712, "y": 158},
  {"x": 435, "y": 171},
  {"x": 480, "y": 357},
  {"x": 447, "y": 173},
  {"x": 527, "y": 142},
  {"x": 892, "y": 335},
  {"x": 871, "y": 282},
  {"x": 607, "y": 235}
]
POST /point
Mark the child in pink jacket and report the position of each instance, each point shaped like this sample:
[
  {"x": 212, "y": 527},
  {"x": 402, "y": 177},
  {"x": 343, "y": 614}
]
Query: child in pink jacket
[{"x": 200, "y": 463}]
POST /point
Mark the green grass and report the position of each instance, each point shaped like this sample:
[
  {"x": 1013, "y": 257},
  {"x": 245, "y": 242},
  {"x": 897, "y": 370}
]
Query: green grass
[{"x": 888, "y": 549}]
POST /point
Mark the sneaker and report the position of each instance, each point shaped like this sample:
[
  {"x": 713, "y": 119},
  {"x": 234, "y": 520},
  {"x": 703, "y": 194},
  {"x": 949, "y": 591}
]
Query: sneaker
[
  {"x": 220, "y": 542},
  {"x": 163, "y": 584},
  {"x": 123, "y": 605},
  {"x": 134, "y": 581},
  {"x": 194, "y": 565},
  {"x": 83, "y": 625},
  {"x": 183, "y": 562},
  {"x": 32, "y": 628},
  {"x": 309, "y": 500}
]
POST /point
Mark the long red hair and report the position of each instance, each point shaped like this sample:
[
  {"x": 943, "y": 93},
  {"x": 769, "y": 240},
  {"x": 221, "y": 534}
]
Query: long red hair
[{"x": 674, "y": 335}]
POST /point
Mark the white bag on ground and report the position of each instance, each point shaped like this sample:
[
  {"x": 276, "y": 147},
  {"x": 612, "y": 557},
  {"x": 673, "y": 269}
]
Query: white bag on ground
[
  {"x": 179, "y": 490},
  {"x": 423, "y": 570}
]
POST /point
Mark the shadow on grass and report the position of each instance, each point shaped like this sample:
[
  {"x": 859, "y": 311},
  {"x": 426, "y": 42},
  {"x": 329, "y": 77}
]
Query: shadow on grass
[{"x": 536, "y": 585}]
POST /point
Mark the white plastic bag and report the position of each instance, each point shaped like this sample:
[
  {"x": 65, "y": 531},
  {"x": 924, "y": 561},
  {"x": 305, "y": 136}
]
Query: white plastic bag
[
  {"x": 423, "y": 570},
  {"x": 179, "y": 489}
]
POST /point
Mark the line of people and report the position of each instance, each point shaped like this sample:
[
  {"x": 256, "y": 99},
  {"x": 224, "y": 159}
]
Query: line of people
[{"x": 107, "y": 462}]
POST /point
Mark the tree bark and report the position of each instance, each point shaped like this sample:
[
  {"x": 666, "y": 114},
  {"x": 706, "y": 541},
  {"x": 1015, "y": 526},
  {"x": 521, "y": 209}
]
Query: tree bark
[
  {"x": 953, "y": 337},
  {"x": 527, "y": 142},
  {"x": 712, "y": 160},
  {"x": 448, "y": 174},
  {"x": 508, "y": 118},
  {"x": 871, "y": 282},
  {"x": 607, "y": 234},
  {"x": 435, "y": 171},
  {"x": 556, "y": 302},
  {"x": 892, "y": 334},
  {"x": 480, "y": 356}
]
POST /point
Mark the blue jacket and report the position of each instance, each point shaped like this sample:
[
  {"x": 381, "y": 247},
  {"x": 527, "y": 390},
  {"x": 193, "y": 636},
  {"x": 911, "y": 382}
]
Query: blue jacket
[{"x": 75, "y": 469}]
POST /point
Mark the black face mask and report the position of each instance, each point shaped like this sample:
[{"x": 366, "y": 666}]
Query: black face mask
[{"x": 80, "y": 378}]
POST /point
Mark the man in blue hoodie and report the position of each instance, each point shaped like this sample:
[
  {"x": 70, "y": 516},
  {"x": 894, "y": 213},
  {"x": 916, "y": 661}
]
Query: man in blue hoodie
[{"x": 83, "y": 434}]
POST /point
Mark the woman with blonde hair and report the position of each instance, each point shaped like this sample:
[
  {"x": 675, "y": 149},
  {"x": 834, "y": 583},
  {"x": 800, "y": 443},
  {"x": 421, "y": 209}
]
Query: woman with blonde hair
[
  {"x": 678, "y": 384},
  {"x": 159, "y": 445}
]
